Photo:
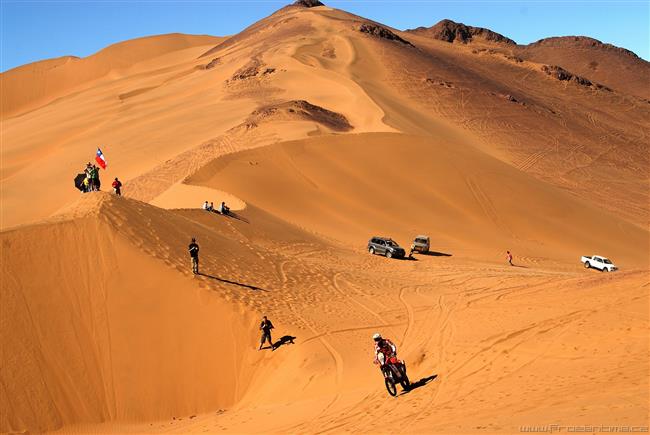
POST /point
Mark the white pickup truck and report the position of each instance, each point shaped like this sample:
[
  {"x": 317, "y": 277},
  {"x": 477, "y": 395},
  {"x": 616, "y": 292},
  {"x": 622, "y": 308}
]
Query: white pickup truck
[{"x": 597, "y": 262}]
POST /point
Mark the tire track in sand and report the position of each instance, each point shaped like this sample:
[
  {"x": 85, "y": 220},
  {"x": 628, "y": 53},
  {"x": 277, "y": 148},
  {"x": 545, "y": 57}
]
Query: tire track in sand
[
  {"x": 409, "y": 312},
  {"x": 442, "y": 339},
  {"x": 338, "y": 289},
  {"x": 336, "y": 356}
]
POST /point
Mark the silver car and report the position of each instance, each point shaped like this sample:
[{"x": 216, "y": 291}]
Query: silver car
[
  {"x": 420, "y": 244},
  {"x": 385, "y": 246}
]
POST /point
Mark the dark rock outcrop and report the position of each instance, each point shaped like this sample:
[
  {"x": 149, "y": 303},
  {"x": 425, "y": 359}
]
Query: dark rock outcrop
[
  {"x": 451, "y": 31},
  {"x": 382, "y": 32},
  {"x": 247, "y": 71},
  {"x": 214, "y": 62},
  {"x": 298, "y": 110},
  {"x": 442, "y": 83},
  {"x": 561, "y": 74},
  {"x": 308, "y": 3},
  {"x": 250, "y": 70}
]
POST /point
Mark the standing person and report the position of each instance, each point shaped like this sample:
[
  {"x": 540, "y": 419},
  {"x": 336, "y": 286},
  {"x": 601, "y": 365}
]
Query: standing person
[
  {"x": 94, "y": 177},
  {"x": 266, "y": 327},
  {"x": 194, "y": 255},
  {"x": 98, "y": 183},
  {"x": 89, "y": 177},
  {"x": 117, "y": 187},
  {"x": 509, "y": 257}
]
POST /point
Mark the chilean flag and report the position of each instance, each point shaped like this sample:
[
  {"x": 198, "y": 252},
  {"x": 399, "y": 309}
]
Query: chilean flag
[{"x": 99, "y": 158}]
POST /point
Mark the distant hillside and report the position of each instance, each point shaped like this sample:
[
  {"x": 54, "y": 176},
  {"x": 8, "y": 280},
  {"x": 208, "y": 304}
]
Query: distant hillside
[
  {"x": 612, "y": 66},
  {"x": 30, "y": 86}
]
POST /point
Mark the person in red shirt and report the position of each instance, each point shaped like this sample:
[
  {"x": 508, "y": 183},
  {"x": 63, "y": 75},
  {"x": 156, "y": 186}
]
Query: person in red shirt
[
  {"x": 117, "y": 187},
  {"x": 384, "y": 349},
  {"x": 509, "y": 257}
]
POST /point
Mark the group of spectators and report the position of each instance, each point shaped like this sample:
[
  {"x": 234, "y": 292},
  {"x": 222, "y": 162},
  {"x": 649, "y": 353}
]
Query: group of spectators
[
  {"x": 91, "y": 183},
  {"x": 223, "y": 208}
]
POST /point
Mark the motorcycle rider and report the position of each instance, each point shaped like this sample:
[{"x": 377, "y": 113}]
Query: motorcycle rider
[{"x": 384, "y": 349}]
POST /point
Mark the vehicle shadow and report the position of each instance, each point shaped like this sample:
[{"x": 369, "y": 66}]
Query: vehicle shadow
[
  {"x": 226, "y": 281},
  {"x": 284, "y": 340},
  {"x": 435, "y": 254},
  {"x": 421, "y": 383}
]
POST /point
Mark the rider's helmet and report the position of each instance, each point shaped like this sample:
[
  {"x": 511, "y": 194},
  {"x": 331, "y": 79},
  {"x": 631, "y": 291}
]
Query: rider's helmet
[{"x": 376, "y": 336}]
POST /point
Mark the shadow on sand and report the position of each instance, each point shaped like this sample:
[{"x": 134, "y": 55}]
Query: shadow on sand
[
  {"x": 519, "y": 265},
  {"x": 234, "y": 215},
  {"x": 287, "y": 339},
  {"x": 252, "y": 287},
  {"x": 435, "y": 254},
  {"x": 421, "y": 383}
]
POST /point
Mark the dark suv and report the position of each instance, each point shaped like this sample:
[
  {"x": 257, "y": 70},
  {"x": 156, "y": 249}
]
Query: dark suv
[{"x": 385, "y": 246}]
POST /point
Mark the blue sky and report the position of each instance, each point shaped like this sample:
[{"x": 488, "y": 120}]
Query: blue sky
[{"x": 35, "y": 30}]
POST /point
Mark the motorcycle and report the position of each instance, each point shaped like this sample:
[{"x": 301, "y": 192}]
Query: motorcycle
[{"x": 394, "y": 371}]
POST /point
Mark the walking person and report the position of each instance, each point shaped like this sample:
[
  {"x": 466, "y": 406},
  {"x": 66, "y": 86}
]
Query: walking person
[
  {"x": 266, "y": 327},
  {"x": 194, "y": 255},
  {"x": 509, "y": 257},
  {"x": 117, "y": 187}
]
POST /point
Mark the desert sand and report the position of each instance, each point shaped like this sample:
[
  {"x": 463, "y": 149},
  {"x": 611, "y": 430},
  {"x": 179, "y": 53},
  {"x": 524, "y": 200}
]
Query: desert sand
[{"x": 322, "y": 129}]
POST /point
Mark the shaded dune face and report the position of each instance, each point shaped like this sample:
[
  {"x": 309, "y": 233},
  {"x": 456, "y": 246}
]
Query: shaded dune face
[
  {"x": 322, "y": 129},
  {"x": 111, "y": 325}
]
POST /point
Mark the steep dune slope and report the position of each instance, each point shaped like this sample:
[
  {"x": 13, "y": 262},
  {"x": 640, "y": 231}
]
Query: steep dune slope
[
  {"x": 354, "y": 187},
  {"x": 181, "y": 104},
  {"x": 343, "y": 64},
  {"x": 103, "y": 331}
]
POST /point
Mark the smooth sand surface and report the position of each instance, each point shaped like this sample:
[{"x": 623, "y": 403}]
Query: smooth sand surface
[
  {"x": 182, "y": 195},
  {"x": 321, "y": 136}
]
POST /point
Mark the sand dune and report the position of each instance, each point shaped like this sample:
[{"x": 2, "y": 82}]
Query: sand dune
[
  {"x": 331, "y": 298},
  {"x": 321, "y": 129},
  {"x": 352, "y": 187},
  {"x": 33, "y": 85}
]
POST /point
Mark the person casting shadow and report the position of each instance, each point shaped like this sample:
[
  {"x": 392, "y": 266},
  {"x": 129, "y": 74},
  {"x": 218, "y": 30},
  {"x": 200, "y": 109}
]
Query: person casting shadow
[
  {"x": 266, "y": 327},
  {"x": 286, "y": 339}
]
